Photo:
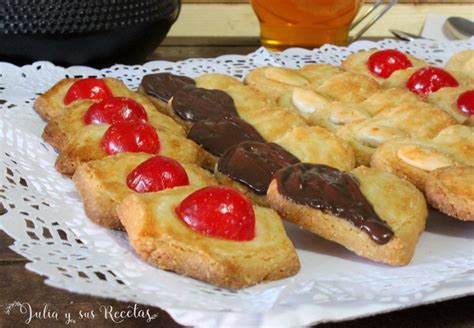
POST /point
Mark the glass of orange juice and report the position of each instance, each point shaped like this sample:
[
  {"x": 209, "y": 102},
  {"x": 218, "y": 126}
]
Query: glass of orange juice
[{"x": 306, "y": 23}]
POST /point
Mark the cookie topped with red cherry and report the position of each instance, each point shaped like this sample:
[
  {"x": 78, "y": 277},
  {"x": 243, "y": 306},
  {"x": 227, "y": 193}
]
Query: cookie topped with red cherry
[
  {"x": 213, "y": 234},
  {"x": 380, "y": 64}
]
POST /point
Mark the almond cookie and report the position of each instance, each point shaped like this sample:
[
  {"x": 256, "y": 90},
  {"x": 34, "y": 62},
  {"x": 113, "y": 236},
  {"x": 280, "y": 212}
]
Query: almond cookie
[
  {"x": 352, "y": 209},
  {"x": 277, "y": 81},
  {"x": 451, "y": 190},
  {"x": 357, "y": 89},
  {"x": 413, "y": 159},
  {"x": 324, "y": 111},
  {"x": 317, "y": 74},
  {"x": 380, "y": 64},
  {"x": 216, "y": 81},
  {"x": 271, "y": 122},
  {"x": 411, "y": 120},
  {"x": 273, "y": 82},
  {"x": 103, "y": 184},
  {"x": 62, "y": 128},
  {"x": 304, "y": 102},
  {"x": 337, "y": 114},
  {"x": 246, "y": 98},
  {"x": 86, "y": 146},
  {"x": 68, "y": 91},
  {"x": 317, "y": 145},
  {"x": 457, "y": 102},
  {"x": 387, "y": 98},
  {"x": 349, "y": 87},
  {"x": 257, "y": 252}
]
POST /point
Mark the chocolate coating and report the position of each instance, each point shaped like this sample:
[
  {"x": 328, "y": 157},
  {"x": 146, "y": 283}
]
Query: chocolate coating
[
  {"x": 254, "y": 163},
  {"x": 334, "y": 192},
  {"x": 216, "y": 136},
  {"x": 164, "y": 85},
  {"x": 196, "y": 104}
]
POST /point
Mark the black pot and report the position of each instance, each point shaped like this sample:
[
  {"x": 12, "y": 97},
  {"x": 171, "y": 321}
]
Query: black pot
[{"x": 83, "y": 32}]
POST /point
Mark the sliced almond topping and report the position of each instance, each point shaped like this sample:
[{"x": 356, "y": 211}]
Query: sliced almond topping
[
  {"x": 285, "y": 76},
  {"x": 373, "y": 135},
  {"x": 307, "y": 101},
  {"x": 422, "y": 158},
  {"x": 344, "y": 115}
]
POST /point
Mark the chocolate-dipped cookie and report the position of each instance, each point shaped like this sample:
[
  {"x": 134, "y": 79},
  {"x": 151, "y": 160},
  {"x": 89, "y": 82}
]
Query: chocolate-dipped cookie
[
  {"x": 192, "y": 105},
  {"x": 218, "y": 135},
  {"x": 253, "y": 164},
  {"x": 163, "y": 86},
  {"x": 352, "y": 209}
]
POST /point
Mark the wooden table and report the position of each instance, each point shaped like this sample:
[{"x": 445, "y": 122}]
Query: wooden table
[{"x": 195, "y": 40}]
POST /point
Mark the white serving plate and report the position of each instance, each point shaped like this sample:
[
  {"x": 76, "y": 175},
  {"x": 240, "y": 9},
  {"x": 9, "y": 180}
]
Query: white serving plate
[{"x": 46, "y": 219}]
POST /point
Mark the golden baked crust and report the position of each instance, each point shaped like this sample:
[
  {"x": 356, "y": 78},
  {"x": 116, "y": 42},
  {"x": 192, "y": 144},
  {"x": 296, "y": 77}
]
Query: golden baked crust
[
  {"x": 334, "y": 114},
  {"x": 271, "y": 122},
  {"x": 216, "y": 81},
  {"x": 319, "y": 146},
  {"x": 304, "y": 102},
  {"x": 275, "y": 81},
  {"x": 349, "y": 87},
  {"x": 248, "y": 98},
  {"x": 62, "y": 128},
  {"x": 357, "y": 63},
  {"x": 451, "y": 190},
  {"x": 415, "y": 120},
  {"x": 446, "y": 99},
  {"x": 51, "y": 103},
  {"x": 102, "y": 185},
  {"x": 317, "y": 74},
  {"x": 387, "y": 98},
  {"x": 337, "y": 114},
  {"x": 463, "y": 61},
  {"x": 404, "y": 211},
  {"x": 162, "y": 239},
  {"x": 85, "y": 147},
  {"x": 399, "y": 78},
  {"x": 455, "y": 143}
]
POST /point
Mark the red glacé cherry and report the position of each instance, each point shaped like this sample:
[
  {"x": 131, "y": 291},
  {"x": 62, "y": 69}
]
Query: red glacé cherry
[
  {"x": 430, "y": 79},
  {"x": 115, "y": 109},
  {"x": 465, "y": 102},
  {"x": 89, "y": 88},
  {"x": 130, "y": 137},
  {"x": 384, "y": 62},
  {"x": 157, "y": 173},
  {"x": 220, "y": 212}
]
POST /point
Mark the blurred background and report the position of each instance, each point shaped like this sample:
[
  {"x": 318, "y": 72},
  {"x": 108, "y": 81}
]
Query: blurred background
[{"x": 233, "y": 26}]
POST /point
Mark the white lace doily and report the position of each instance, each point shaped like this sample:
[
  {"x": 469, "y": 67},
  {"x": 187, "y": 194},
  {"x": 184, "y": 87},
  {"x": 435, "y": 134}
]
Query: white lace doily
[{"x": 46, "y": 219}]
